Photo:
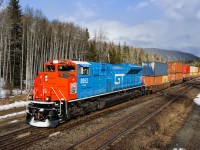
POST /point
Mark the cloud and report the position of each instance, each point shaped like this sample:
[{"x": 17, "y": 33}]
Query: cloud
[
  {"x": 179, "y": 9},
  {"x": 84, "y": 12},
  {"x": 153, "y": 33},
  {"x": 174, "y": 15},
  {"x": 178, "y": 28},
  {"x": 80, "y": 14},
  {"x": 142, "y": 4},
  {"x": 66, "y": 18}
]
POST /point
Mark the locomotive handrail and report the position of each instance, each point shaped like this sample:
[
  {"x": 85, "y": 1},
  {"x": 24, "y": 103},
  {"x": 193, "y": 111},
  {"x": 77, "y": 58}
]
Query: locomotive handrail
[
  {"x": 57, "y": 97},
  {"x": 35, "y": 93},
  {"x": 62, "y": 94},
  {"x": 55, "y": 93}
]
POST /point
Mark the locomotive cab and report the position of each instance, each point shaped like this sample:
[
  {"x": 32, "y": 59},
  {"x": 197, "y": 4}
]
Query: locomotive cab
[{"x": 52, "y": 89}]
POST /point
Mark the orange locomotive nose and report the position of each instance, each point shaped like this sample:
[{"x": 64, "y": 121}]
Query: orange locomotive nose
[{"x": 58, "y": 82}]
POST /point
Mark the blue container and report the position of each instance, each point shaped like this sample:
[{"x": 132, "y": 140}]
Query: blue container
[{"x": 154, "y": 69}]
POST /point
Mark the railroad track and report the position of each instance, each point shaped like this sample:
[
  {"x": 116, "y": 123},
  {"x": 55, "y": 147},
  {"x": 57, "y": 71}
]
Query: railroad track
[
  {"x": 27, "y": 136},
  {"x": 106, "y": 136},
  {"x": 20, "y": 138}
]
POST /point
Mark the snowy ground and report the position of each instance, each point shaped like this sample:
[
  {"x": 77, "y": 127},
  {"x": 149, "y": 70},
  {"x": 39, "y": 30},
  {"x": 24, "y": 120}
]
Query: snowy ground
[
  {"x": 4, "y": 92},
  {"x": 14, "y": 105},
  {"x": 197, "y": 100},
  {"x": 13, "y": 114},
  {"x": 11, "y": 106}
]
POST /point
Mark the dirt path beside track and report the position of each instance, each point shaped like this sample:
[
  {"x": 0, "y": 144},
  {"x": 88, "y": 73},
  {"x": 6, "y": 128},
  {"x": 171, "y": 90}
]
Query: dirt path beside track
[
  {"x": 176, "y": 127},
  {"x": 188, "y": 136}
]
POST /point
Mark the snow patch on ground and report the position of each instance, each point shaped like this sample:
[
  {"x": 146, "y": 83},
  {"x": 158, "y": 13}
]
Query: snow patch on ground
[
  {"x": 13, "y": 105},
  {"x": 13, "y": 114},
  {"x": 4, "y": 92},
  {"x": 197, "y": 100},
  {"x": 13, "y": 121}
]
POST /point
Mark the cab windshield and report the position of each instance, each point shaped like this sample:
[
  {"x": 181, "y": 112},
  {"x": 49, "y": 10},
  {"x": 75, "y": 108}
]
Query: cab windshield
[
  {"x": 50, "y": 68},
  {"x": 66, "y": 68}
]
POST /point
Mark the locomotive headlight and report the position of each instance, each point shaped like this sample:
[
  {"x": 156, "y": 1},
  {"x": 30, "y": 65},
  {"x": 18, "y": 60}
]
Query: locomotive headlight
[
  {"x": 46, "y": 77},
  {"x": 41, "y": 110},
  {"x": 30, "y": 97},
  {"x": 47, "y": 98}
]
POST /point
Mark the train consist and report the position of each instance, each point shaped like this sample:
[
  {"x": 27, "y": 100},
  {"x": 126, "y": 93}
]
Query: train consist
[{"x": 67, "y": 89}]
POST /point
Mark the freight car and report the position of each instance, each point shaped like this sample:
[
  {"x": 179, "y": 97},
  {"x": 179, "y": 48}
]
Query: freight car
[
  {"x": 155, "y": 76},
  {"x": 67, "y": 89}
]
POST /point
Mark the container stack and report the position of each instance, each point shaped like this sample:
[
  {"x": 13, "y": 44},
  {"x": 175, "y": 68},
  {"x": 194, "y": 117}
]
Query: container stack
[
  {"x": 154, "y": 73},
  {"x": 186, "y": 71},
  {"x": 175, "y": 72}
]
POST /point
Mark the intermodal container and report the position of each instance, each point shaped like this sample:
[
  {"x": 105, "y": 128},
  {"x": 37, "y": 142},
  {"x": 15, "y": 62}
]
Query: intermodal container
[
  {"x": 152, "y": 80},
  {"x": 154, "y": 69},
  {"x": 193, "y": 74},
  {"x": 186, "y": 75},
  {"x": 193, "y": 69},
  {"x": 196, "y": 69},
  {"x": 165, "y": 79},
  {"x": 148, "y": 80},
  {"x": 174, "y": 67},
  {"x": 185, "y": 69},
  {"x": 175, "y": 76},
  {"x": 157, "y": 80}
]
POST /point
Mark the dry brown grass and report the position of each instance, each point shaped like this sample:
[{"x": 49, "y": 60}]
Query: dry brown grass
[
  {"x": 13, "y": 99},
  {"x": 158, "y": 132}
]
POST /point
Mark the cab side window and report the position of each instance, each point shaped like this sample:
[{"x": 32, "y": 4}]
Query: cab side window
[
  {"x": 84, "y": 70},
  {"x": 66, "y": 68}
]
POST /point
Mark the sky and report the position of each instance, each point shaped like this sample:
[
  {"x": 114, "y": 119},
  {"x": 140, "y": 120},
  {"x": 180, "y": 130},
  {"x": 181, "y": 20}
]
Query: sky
[{"x": 166, "y": 24}]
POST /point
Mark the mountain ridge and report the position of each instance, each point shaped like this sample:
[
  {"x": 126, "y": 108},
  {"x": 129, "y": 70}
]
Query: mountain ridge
[{"x": 170, "y": 55}]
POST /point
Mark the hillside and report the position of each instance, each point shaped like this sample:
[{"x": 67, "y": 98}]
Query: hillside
[{"x": 170, "y": 55}]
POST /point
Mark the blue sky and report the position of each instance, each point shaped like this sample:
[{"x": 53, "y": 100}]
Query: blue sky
[{"x": 167, "y": 24}]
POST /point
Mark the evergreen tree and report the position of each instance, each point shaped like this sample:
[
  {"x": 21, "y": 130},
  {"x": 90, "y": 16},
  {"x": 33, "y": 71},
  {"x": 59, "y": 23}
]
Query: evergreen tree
[
  {"x": 141, "y": 56},
  {"x": 154, "y": 57},
  {"x": 126, "y": 54},
  {"x": 118, "y": 57},
  {"x": 135, "y": 56},
  {"x": 113, "y": 56},
  {"x": 119, "y": 54},
  {"x": 146, "y": 57},
  {"x": 91, "y": 53},
  {"x": 14, "y": 14}
]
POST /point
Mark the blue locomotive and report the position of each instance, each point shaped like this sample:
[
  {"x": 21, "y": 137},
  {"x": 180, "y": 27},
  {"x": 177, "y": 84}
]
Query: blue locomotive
[{"x": 67, "y": 89}]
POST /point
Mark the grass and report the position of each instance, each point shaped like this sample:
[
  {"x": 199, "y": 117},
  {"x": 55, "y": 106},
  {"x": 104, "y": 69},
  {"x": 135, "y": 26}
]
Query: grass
[{"x": 158, "y": 132}]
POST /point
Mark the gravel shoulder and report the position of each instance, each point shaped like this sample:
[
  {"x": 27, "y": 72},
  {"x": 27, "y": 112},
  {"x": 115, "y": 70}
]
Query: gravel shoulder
[
  {"x": 188, "y": 136},
  {"x": 175, "y": 127}
]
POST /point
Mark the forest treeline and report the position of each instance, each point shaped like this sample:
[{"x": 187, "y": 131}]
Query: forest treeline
[{"x": 28, "y": 39}]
